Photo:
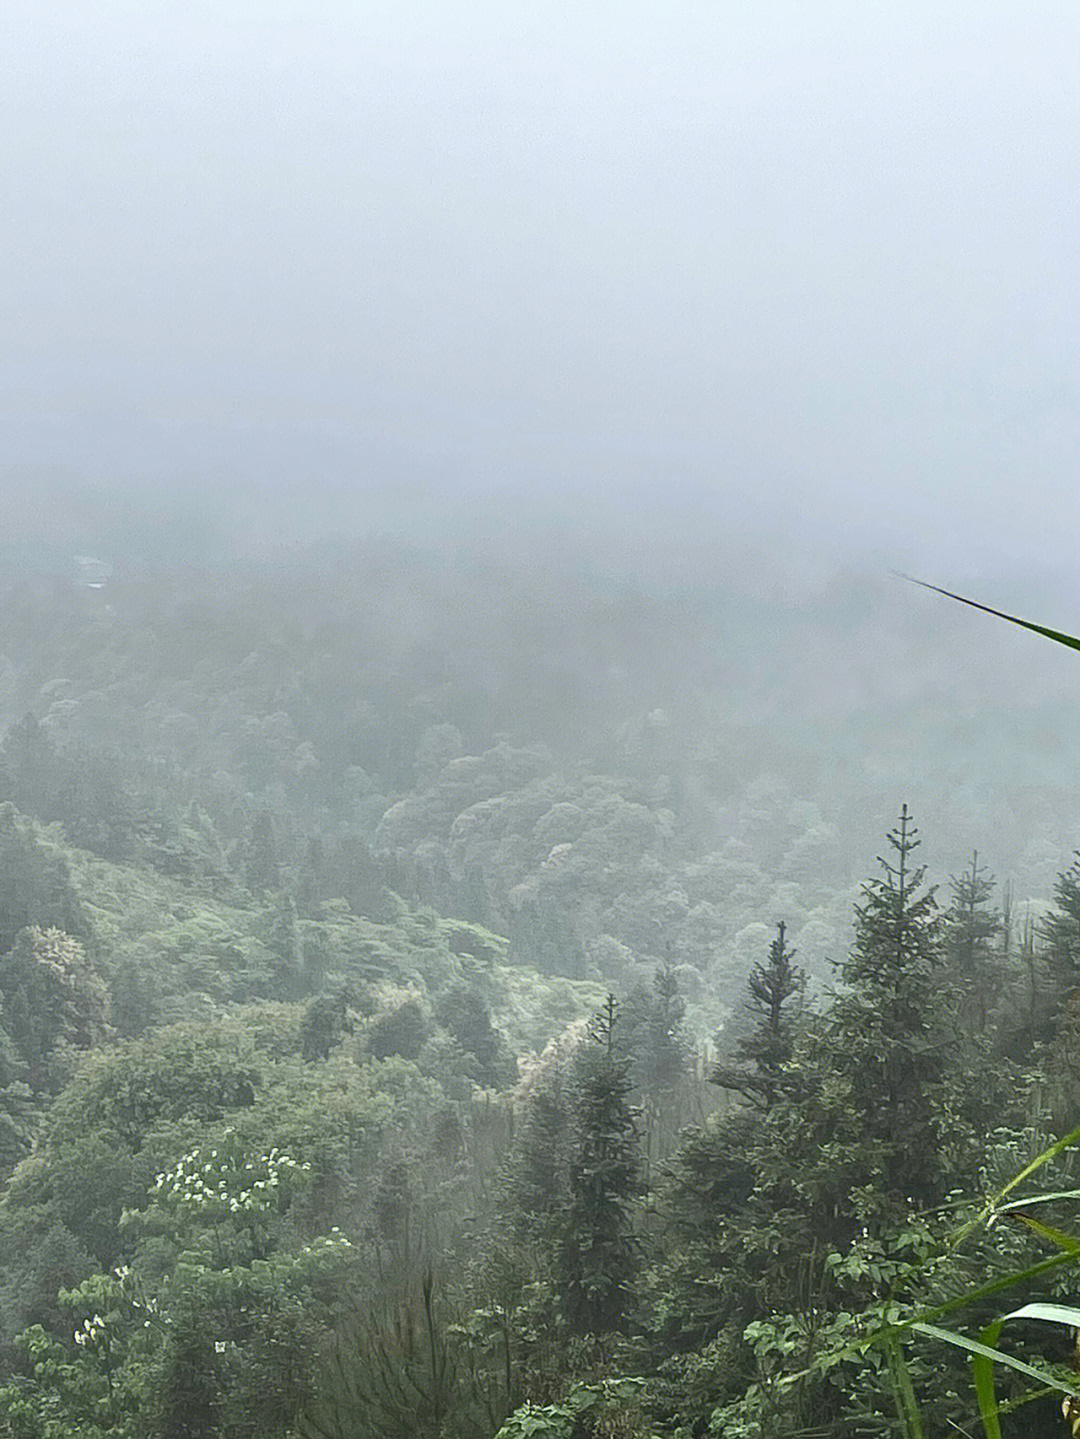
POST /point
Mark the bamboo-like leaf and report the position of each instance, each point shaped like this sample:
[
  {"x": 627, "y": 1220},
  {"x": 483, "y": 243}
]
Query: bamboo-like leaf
[
  {"x": 982, "y": 1373},
  {"x": 1049, "y": 1314},
  {"x": 1056, "y": 635},
  {"x": 921, "y": 1320},
  {"x": 984, "y": 1291},
  {"x": 982, "y": 1367},
  {"x": 1038, "y": 1199},
  {"x": 994, "y": 1205},
  {"x": 1067, "y": 1141},
  {"x": 1054, "y": 1236},
  {"x": 903, "y": 1389},
  {"x": 998, "y": 1356}
]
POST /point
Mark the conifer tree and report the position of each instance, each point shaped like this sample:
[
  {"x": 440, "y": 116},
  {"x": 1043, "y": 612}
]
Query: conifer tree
[
  {"x": 972, "y": 935},
  {"x": 1061, "y": 935},
  {"x": 597, "y": 1254},
  {"x": 1059, "y": 1012},
  {"x": 879, "y": 1056},
  {"x": 539, "y": 1168},
  {"x": 653, "y": 1038},
  {"x": 775, "y": 987}
]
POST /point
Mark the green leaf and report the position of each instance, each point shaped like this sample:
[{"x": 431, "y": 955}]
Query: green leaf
[
  {"x": 982, "y": 1373},
  {"x": 1049, "y": 1313},
  {"x": 1048, "y": 1232},
  {"x": 903, "y": 1389},
  {"x": 998, "y": 1356},
  {"x": 1038, "y": 1199},
  {"x": 982, "y": 1367},
  {"x": 1067, "y": 1141},
  {"x": 1062, "y": 639}
]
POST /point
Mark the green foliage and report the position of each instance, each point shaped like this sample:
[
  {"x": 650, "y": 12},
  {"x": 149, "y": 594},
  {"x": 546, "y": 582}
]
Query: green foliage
[
  {"x": 403, "y": 1031},
  {"x": 249, "y": 1224},
  {"x": 763, "y": 1054},
  {"x": 608, "y": 1408},
  {"x": 52, "y": 997},
  {"x": 973, "y": 931},
  {"x": 35, "y": 883},
  {"x": 884, "y": 1044},
  {"x": 597, "y": 1255},
  {"x": 406, "y": 1371}
]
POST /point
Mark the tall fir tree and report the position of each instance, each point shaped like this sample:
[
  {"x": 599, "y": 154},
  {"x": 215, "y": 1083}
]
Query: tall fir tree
[
  {"x": 597, "y": 1253},
  {"x": 972, "y": 943},
  {"x": 1060, "y": 934},
  {"x": 880, "y": 1055},
  {"x": 261, "y": 870},
  {"x": 538, "y": 1171},
  {"x": 283, "y": 942},
  {"x": 653, "y": 1037},
  {"x": 775, "y": 991},
  {"x": 1058, "y": 1025}
]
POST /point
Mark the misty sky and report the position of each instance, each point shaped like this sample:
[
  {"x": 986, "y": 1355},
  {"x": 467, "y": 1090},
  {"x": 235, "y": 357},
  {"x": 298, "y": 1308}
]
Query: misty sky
[{"x": 807, "y": 268}]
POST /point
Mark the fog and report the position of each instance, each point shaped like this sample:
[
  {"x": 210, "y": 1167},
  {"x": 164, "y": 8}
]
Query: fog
[
  {"x": 749, "y": 305},
  {"x": 515, "y": 914},
  {"x": 773, "y": 273}
]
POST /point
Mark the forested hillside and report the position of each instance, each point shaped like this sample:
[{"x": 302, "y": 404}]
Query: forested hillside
[{"x": 449, "y": 998}]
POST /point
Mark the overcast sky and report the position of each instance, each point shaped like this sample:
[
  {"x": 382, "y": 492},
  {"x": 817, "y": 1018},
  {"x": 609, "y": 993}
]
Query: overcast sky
[{"x": 806, "y": 268}]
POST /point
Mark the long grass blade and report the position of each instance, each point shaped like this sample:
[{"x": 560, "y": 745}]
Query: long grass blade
[
  {"x": 1056, "y": 635},
  {"x": 998, "y": 1356},
  {"x": 903, "y": 1389},
  {"x": 982, "y": 1374},
  {"x": 1039, "y": 1199},
  {"x": 1049, "y": 1314},
  {"x": 1053, "y": 1236},
  {"x": 982, "y": 1366}
]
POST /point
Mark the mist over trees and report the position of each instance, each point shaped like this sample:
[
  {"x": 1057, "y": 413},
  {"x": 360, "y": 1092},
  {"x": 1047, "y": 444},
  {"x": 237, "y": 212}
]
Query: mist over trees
[{"x": 430, "y": 1007}]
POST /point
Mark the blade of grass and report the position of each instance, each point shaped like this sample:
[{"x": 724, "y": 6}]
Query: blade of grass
[
  {"x": 982, "y": 1374},
  {"x": 903, "y": 1389},
  {"x": 998, "y": 1356},
  {"x": 982, "y": 1367},
  {"x": 1046, "y": 1231},
  {"x": 1049, "y": 1314},
  {"x": 1039, "y": 1199},
  {"x": 1056, "y": 635}
]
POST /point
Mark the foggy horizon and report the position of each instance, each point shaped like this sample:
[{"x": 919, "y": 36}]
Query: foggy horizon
[{"x": 797, "y": 279}]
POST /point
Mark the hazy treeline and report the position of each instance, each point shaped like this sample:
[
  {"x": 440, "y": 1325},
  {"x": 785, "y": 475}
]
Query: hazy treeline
[{"x": 416, "y": 1024}]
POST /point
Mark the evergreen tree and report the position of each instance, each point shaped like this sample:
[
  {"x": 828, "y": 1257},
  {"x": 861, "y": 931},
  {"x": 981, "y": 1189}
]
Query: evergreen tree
[
  {"x": 35, "y": 885},
  {"x": 762, "y": 1054},
  {"x": 1058, "y": 1021},
  {"x": 324, "y": 1023},
  {"x": 597, "y": 1254},
  {"x": 973, "y": 932},
  {"x": 663, "y": 1063},
  {"x": 32, "y": 769},
  {"x": 1060, "y": 933},
  {"x": 463, "y": 1014},
  {"x": 402, "y": 1031},
  {"x": 861, "y": 1142},
  {"x": 539, "y": 1168},
  {"x": 654, "y": 1040}
]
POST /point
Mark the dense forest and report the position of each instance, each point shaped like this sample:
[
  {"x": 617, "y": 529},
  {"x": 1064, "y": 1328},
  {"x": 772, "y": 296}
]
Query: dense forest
[{"x": 444, "y": 999}]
